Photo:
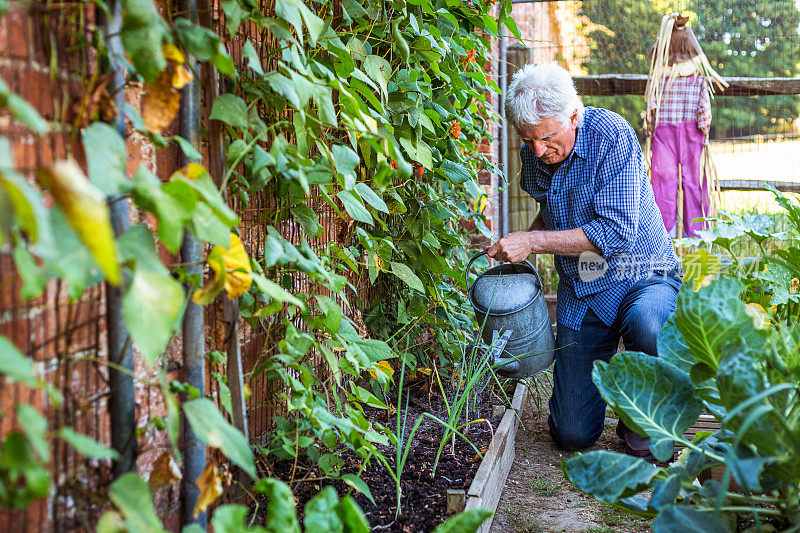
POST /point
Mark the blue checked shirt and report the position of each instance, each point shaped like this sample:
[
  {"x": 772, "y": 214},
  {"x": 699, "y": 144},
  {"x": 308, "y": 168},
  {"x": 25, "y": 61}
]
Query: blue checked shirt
[{"x": 603, "y": 188}]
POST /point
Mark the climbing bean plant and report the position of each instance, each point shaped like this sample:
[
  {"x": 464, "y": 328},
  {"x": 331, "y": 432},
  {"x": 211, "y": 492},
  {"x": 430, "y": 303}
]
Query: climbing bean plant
[{"x": 375, "y": 109}]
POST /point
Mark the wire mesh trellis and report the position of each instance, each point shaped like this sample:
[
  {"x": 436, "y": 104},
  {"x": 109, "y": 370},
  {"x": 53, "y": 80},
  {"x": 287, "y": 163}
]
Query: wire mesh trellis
[{"x": 45, "y": 56}]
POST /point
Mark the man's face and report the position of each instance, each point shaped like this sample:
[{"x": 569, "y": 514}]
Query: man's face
[{"x": 550, "y": 140}]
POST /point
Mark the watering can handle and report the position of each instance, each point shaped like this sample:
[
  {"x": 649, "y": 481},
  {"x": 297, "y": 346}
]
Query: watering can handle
[{"x": 476, "y": 256}]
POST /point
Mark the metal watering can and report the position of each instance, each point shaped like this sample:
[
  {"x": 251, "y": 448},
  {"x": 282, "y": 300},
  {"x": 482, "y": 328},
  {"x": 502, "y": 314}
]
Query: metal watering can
[{"x": 513, "y": 317}]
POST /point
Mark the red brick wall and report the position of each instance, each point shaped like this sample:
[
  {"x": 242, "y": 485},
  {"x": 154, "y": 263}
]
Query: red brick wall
[{"x": 66, "y": 339}]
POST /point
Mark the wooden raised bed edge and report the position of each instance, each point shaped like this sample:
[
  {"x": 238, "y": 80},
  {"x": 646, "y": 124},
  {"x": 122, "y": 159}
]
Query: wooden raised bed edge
[{"x": 487, "y": 485}]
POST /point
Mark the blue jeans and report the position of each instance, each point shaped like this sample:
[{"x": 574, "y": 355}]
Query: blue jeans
[{"x": 577, "y": 411}]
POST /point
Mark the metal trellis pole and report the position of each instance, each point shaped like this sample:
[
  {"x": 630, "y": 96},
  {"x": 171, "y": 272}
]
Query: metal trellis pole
[
  {"x": 194, "y": 450},
  {"x": 121, "y": 403}
]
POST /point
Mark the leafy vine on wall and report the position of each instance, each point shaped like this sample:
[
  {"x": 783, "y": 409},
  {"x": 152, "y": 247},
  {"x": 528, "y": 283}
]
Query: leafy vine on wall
[{"x": 375, "y": 109}]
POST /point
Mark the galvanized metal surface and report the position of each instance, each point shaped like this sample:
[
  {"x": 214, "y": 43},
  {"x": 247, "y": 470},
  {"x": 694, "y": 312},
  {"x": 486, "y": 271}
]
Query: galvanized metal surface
[
  {"x": 121, "y": 400},
  {"x": 194, "y": 450},
  {"x": 508, "y": 297}
]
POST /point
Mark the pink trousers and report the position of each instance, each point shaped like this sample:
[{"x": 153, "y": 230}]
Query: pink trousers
[{"x": 673, "y": 145}]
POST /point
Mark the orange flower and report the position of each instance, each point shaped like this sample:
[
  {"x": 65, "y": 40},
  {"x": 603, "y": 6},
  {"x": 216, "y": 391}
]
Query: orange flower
[
  {"x": 393, "y": 164},
  {"x": 455, "y": 129},
  {"x": 419, "y": 169},
  {"x": 795, "y": 286},
  {"x": 470, "y": 57}
]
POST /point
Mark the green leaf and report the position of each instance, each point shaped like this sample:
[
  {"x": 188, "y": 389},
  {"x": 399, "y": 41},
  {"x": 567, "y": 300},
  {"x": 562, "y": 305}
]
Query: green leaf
[
  {"x": 466, "y": 522},
  {"x": 352, "y": 516},
  {"x": 106, "y": 157},
  {"x": 371, "y": 197},
  {"x": 143, "y": 32},
  {"x": 253, "y": 60},
  {"x": 69, "y": 258},
  {"x": 151, "y": 308},
  {"x": 686, "y": 520},
  {"x": 713, "y": 318},
  {"x": 112, "y": 522},
  {"x": 15, "y": 366},
  {"x": 331, "y": 312},
  {"x": 284, "y": 87},
  {"x": 235, "y": 13},
  {"x": 33, "y": 279},
  {"x": 358, "y": 484},
  {"x": 289, "y": 10},
  {"x": 187, "y": 148},
  {"x": 207, "y": 226},
  {"x": 316, "y": 26},
  {"x": 22, "y": 110},
  {"x": 230, "y": 109},
  {"x": 24, "y": 198},
  {"x": 609, "y": 476},
  {"x": 232, "y": 519},
  {"x": 212, "y": 428},
  {"x": 34, "y": 425},
  {"x": 173, "y": 203},
  {"x": 319, "y": 512},
  {"x": 346, "y": 160},
  {"x": 131, "y": 495},
  {"x": 86, "y": 446},
  {"x": 407, "y": 275},
  {"x": 375, "y": 350},
  {"x": 281, "y": 509},
  {"x": 204, "y": 44},
  {"x": 355, "y": 207},
  {"x": 275, "y": 291},
  {"x": 672, "y": 348},
  {"x": 650, "y": 396},
  {"x": 379, "y": 70},
  {"x": 420, "y": 153},
  {"x": 456, "y": 172},
  {"x": 324, "y": 100},
  {"x": 308, "y": 219}
]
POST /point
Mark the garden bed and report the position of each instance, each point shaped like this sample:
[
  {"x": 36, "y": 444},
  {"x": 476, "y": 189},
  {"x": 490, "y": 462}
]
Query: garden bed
[{"x": 424, "y": 502}]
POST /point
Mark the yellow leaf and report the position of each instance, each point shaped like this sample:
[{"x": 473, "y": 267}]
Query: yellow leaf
[
  {"x": 237, "y": 268},
  {"x": 86, "y": 210},
  {"x": 701, "y": 267},
  {"x": 211, "y": 288},
  {"x": 192, "y": 171},
  {"x": 160, "y": 102},
  {"x": 161, "y": 98},
  {"x": 231, "y": 269},
  {"x": 181, "y": 77},
  {"x": 759, "y": 315},
  {"x": 384, "y": 367},
  {"x": 173, "y": 53},
  {"x": 210, "y": 485},
  {"x": 427, "y": 371},
  {"x": 165, "y": 472}
]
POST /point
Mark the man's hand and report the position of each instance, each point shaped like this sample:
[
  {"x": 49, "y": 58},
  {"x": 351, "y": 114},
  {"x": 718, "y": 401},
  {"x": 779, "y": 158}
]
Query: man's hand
[
  {"x": 516, "y": 247},
  {"x": 513, "y": 247}
]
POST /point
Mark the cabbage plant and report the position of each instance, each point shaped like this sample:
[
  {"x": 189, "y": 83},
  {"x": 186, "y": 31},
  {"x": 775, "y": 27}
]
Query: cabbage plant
[{"x": 713, "y": 358}]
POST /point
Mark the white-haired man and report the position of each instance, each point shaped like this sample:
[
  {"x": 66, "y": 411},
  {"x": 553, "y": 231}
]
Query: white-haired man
[{"x": 584, "y": 167}]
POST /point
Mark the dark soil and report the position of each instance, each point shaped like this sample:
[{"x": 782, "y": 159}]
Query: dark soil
[{"x": 424, "y": 495}]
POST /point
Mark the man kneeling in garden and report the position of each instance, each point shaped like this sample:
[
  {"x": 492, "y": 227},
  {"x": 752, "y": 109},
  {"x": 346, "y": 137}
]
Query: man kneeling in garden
[{"x": 618, "y": 273}]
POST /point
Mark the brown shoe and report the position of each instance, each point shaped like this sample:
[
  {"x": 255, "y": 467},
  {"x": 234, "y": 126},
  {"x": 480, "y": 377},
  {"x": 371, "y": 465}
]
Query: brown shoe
[{"x": 635, "y": 444}]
